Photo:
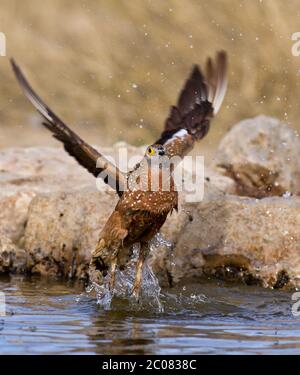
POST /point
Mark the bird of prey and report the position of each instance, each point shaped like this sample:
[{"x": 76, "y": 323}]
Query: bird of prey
[{"x": 141, "y": 210}]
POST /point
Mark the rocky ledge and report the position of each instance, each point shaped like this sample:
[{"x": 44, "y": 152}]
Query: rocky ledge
[{"x": 246, "y": 228}]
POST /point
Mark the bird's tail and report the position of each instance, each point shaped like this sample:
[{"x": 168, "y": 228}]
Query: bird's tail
[
  {"x": 216, "y": 80},
  {"x": 199, "y": 100}
]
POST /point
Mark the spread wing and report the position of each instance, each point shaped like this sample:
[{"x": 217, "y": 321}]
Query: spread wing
[
  {"x": 86, "y": 155},
  {"x": 199, "y": 100}
]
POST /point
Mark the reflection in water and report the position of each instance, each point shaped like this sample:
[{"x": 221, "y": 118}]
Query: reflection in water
[{"x": 57, "y": 317}]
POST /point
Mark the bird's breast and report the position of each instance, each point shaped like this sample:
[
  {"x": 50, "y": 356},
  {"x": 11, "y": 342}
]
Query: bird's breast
[{"x": 152, "y": 201}]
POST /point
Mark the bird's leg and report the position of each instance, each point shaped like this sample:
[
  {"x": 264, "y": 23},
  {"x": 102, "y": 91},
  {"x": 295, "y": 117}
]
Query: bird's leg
[
  {"x": 139, "y": 269},
  {"x": 104, "y": 258},
  {"x": 113, "y": 274}
]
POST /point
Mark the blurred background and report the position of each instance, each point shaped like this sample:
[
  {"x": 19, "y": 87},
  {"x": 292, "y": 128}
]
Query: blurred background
[{"x": 111, "y": 69}]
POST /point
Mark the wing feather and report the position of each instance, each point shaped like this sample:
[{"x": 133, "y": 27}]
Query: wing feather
[
  {"x": 85, "y": 155},
  {"x": 199, "y": 100}
]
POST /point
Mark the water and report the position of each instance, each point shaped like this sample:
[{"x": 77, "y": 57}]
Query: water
[
  {"x": 124, "y": 281},
  {"x": 60, "y": 318}
]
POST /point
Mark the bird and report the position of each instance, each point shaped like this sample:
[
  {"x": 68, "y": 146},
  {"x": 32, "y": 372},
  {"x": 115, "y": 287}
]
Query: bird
[{"x": 141, "y": 210}]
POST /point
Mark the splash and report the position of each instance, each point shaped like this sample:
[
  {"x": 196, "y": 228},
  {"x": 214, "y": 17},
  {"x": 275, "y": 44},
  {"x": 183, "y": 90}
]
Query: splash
[
  {"x": 150, "y": 289},
  {"x": 159, "y": 241}
]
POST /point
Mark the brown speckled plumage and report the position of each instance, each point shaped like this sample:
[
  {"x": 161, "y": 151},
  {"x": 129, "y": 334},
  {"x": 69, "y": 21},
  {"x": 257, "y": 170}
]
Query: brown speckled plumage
[{"x": 141, "y": 210}]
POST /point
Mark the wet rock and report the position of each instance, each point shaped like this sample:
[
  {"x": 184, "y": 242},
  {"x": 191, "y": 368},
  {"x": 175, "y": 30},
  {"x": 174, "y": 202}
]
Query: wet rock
[
  {"x": 63, "y": 229},
  {"x": 12, "y": 258},
  {"x": 235, "y": 238},
  {"x": 245, "y": 239},
  {"x": 46, "y": 173},
  {"x": 50, "y": 223},
  {"x": 262, "y": 155}
]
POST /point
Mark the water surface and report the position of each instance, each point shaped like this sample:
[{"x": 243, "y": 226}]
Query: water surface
[{"x": 44, "y": 317}]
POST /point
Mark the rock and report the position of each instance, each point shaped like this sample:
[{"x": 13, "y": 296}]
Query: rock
[
  {"x": 32, "y": 172},
  {"x": 13, "y": 213},
  {"x": 25, "y": 173},
  {"x": 256, "y": 241},
  {"x": 50, "y": 223},
  {"x": 262, "y": 155},
  {"x": 216, "y": 183},
  {"x": 12, "y": 258},
  {"x": 63, "y": 229}
]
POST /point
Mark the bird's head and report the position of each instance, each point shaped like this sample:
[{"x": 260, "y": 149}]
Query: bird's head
[{"x": 155, "y": 153}]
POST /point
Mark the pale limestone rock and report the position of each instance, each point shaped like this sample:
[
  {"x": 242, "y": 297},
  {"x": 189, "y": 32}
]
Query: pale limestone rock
[
  {"x": 63, "y": 228},
  {"x": 228, "y": 236},
  {"x": 26, "y": 172},
  {"x": 242, "y": 238},
  {"x": 12, "y": 258},
  {"x": 263, "y": 156},
  {"x": 50, "y": 222}
]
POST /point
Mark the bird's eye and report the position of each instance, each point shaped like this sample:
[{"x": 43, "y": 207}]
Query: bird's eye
[{"x": 151, "y": 151}]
